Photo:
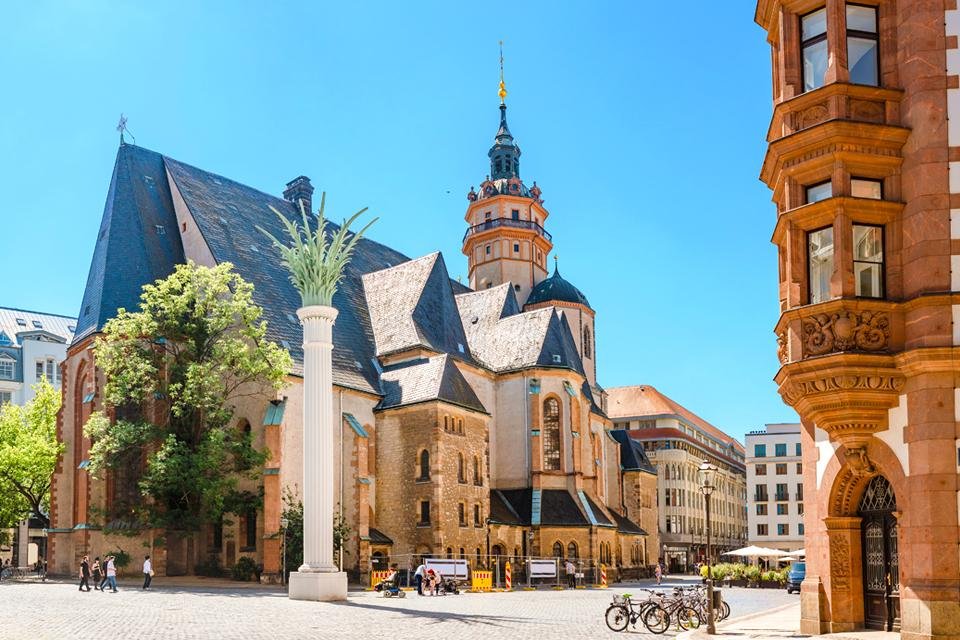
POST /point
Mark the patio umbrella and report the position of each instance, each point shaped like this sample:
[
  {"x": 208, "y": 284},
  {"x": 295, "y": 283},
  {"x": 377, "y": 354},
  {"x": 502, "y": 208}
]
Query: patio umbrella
[{"x": 754, "y": 551}]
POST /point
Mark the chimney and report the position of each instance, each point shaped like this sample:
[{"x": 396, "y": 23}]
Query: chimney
[{"x": 300, "y": 189}]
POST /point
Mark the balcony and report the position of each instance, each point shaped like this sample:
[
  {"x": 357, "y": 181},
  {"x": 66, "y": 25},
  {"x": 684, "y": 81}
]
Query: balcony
[
  {"x": 760, "y": 497},
  {"x": 489, "y": 225},
  {"x": 782, "y": 497}
]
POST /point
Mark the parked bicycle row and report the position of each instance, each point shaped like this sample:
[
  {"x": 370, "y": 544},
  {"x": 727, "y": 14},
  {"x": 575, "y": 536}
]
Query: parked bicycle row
[{"x": 685, "y": 606}]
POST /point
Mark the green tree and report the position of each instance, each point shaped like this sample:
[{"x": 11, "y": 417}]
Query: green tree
[
  {"x": 174, "y": 371},
  {"x": 28, "y": 455}
]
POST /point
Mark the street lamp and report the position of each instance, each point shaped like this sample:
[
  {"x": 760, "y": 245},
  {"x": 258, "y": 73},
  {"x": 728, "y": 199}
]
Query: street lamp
[{"x": 707, "y": 473}]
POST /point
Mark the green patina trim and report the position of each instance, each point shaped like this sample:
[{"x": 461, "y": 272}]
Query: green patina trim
[
  {"x": 534, "y": 432},
  {"x": 355, "y": 425},
  {"x": 59, "y": 530},
  {"x": 272, "y": 471}
]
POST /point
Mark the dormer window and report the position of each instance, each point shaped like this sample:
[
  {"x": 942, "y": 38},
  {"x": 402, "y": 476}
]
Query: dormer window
[
  {"x": 813, "y": 34},
  {"x": 37, "y": 324},
  {"x": 4, "y": 339}
]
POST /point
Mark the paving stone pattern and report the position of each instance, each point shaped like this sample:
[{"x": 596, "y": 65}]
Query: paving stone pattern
[{"x": 33, "y": 611}]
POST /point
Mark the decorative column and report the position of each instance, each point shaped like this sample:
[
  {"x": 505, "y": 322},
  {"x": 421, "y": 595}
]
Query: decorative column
[{"x": 318, "y": 577}]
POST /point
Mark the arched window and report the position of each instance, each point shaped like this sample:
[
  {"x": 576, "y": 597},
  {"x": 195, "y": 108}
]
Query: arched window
[
  {"x": 424, "y": 465},
  {"x": 461, "y": 469},
  {"x": 462, "y": 511},
  {"x": 572, "y": 550},
  {"x": 449, "y": 553},
  {"x": 460, "y": 426},
  {"x": 558, "y": 549},
  {"x": 551, "y": 434},
  {"x": 586, "y": 342},
  {"x": 477, "y": 478},
  {"x": 463, "y": 553},
  {"x": 446, "y": 423},
  {"x": 477, "y": 554}
]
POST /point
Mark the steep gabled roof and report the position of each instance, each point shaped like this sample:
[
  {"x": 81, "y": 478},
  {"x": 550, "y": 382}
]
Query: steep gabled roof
[
  {"x": 138, "y": 241},
  {"x": 632, "y": 455},
  {"x": 412, "y": 305},
  {"x": 504, "y": 339},
  {"x": 426, "y": 379}
]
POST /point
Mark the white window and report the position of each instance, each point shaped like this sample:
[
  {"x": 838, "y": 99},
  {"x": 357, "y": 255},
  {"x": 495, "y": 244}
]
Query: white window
[
  {"x": 39, "y": 371},
  {"x": 820, "y": 255},
  {"x": 46, "y": 368},
  {"x": 5, "y": 397},
  {"x": 6, "y": 369},
  {"x": 868, "y": 260},
  {"x": 813, "y": 36}
]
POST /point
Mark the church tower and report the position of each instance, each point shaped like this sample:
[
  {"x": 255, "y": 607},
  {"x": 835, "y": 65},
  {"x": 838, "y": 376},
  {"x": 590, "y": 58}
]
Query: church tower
[{"x": 506, "y": 240}]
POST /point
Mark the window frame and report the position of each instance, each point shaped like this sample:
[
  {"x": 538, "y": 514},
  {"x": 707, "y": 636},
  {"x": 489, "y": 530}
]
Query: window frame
[
  {"x": 817, "y": 39},
  {"x": 12, "y": 363},
  {"x": 814, "y": 185},
  {"x": 865, "y": 35},
  {"x": 882, "y": 263},
  {"x": 559, "y": 435},
  {"x": 878, "y": 181},
  {"x": 809, "y": 273}
]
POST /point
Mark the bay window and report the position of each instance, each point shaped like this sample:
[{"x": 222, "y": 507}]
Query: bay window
[
  {"x": 866, "y": 188},
  {"x": 862, "y": 45},
  {"x": 818, "y": 192},
  {"x": 820, "y": 263},
  {"x": 868, "y": 260},
  {"x": 813, "y": 36}
]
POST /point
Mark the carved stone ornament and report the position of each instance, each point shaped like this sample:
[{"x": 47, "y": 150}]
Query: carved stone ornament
[
  {"x": 782, "y": 347},
  {"x": 812, "y": 115},
  {"x": 859, "y": 462},
  {"x": 793, "y": 391},
  {"x": 845, "y": 331},
  {"x": 839, "y": 563},
  {"x": 867, "y": 111}
]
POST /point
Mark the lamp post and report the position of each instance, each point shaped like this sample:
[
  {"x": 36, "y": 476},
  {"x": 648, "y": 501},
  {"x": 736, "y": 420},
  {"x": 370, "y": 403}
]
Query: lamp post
[{"x": 707, "y": 473}]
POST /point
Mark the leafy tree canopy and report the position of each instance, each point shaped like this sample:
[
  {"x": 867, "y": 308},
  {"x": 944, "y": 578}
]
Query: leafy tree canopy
[
  {"x": 28, "y": 455},
  {"x": 174, "y": 372}
]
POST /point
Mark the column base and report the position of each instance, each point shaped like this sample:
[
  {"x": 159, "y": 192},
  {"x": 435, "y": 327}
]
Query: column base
[{"x": 318, "y": 587}]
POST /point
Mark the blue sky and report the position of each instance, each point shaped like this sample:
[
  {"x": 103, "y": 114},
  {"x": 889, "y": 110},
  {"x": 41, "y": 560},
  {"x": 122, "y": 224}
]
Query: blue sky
[{"x": 643, "y": 123}]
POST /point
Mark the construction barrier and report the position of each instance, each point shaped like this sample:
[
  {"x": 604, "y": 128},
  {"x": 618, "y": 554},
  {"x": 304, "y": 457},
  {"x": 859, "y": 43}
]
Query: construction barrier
[
  {"x": 508, "y": 577},
  {"x": 481, "y": 581},
  {"x": 603, "y": 576},
  {"x": 376, "y": 577}
]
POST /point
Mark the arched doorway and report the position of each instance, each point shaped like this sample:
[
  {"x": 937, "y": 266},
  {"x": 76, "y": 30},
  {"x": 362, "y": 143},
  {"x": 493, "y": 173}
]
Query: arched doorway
[{"x": 881, "y": 561}]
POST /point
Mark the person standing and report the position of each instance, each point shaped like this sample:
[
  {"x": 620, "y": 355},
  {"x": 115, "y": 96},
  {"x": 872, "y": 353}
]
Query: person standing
[
  {"x": 85, "y": 573},
  {"x": 571, "y": 574},
  {"x": 418, "y": 577},
  {"x": 97, "y": 573},
  {"x": 111, "y": 574},
  {"x": 147, "y": 572},
  {"x": 658, "y": 572}
]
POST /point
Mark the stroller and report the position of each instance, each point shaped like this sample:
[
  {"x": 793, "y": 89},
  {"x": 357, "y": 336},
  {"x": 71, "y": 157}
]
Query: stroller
[
  {"x": 448, "y": 586},
  {"x": 391, "y": 588}
]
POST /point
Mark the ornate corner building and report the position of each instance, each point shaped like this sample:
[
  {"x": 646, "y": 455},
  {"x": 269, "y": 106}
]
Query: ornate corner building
[
  {"x": 470, "y": 421},
  {"x": 863, "y": 159}
]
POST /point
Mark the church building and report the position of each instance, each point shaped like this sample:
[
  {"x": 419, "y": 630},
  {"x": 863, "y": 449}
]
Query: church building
[{"x": 471, "y": 423}]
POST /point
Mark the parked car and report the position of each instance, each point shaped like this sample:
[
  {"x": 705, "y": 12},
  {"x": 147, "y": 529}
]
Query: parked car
[{"x": 798, "y": 571}]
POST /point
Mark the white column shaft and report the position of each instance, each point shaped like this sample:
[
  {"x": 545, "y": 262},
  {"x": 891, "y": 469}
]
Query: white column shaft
[{"x": 318, "y": 441}]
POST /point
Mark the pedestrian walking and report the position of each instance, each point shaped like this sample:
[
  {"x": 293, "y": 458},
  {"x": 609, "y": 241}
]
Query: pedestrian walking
[
  {"x": 418, "y": 577},
  {"x": 85, "y": 573},
  {"x": 658, "y": 572},
  {"x": 147, "y": 572},
  {"x": 103, "y": 571},
  {"x": 111, "y": 574},
  {"x": 571, "y": 574},
  {"x": 97, "y": 573}
]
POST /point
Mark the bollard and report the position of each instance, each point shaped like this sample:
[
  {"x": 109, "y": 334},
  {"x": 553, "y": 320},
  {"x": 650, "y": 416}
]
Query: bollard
[
  {"x": 603, "y": 576},
  {"x": 508, "y": 577}
]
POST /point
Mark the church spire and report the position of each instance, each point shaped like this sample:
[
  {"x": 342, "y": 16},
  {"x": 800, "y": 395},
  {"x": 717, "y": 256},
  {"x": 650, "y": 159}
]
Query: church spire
[{"x": 504, "y": 154}]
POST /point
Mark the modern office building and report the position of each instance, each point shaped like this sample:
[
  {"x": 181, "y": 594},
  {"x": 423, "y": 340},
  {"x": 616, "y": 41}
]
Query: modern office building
[
  {"x": 775, "y": 487},
  {"x": 863, "y": 160},
  {"x": 676, "y": 441}
]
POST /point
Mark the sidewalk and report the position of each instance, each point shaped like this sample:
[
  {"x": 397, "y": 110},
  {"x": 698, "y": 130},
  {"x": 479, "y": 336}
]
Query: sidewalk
[
  {"x": 777, "y": 624},
  {"x": 782, "y": 622}
]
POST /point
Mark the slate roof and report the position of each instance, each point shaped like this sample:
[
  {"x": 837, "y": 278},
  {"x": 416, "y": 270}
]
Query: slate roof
[
  {"x": 599, "y": 513},
  {"x": 558, "y": 507},
  {"x": 14, "y": 321},
  {"x": 412, "y": 305},
  {"x": 502, "y": 512},
  {"x": 378, "y": 537},
  {"x": 632, "y": 455},
  {"x": 626, "y": 525},
  {"x": 386, "y": 301},
  {"x": 556, "y": 289},
  {"x": 424, "y": 379},
  {"x": 138, "y": 202},
  {"x": 504, "y": 339}
]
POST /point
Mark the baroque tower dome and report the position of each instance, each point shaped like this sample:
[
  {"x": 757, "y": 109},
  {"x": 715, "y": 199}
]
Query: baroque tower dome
[{"x": 556, "y": 289}]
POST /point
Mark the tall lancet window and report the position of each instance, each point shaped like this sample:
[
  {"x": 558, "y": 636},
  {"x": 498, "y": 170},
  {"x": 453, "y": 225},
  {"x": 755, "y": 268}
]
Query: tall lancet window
[{"x": 551, "y": 434}]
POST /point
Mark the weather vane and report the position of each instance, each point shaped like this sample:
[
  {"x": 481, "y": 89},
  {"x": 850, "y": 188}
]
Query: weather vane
[
  {"x": 503, "y": 88},
  {"x": 122, "y": 128}
]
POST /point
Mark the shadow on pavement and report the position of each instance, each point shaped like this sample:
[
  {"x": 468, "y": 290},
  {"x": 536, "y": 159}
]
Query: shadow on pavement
[{"x": 438, "y": 616}]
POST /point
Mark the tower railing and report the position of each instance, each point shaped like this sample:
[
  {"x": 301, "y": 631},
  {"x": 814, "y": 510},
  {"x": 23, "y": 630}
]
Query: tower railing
[{"x": 507, "y": 222}]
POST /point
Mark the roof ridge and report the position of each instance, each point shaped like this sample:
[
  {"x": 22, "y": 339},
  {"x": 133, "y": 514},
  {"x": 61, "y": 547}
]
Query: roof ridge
[{"x": 39, "y": 313}]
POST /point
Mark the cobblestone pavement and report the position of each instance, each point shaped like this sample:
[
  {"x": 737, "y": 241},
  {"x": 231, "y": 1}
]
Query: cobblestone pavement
[{"x": 34, "y": 611}]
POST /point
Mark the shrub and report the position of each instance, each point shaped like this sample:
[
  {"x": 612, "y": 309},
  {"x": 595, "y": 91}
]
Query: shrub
[
  {"x": 245, "y": 569},
  {"x": 121, "y": 558},
  {"x": 210, "y": 568},
  {"x": 752, "y": 573}
]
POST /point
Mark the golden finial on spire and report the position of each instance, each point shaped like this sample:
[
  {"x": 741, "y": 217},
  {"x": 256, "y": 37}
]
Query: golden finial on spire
[{"x": 503, "y": 87}]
